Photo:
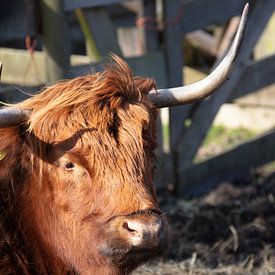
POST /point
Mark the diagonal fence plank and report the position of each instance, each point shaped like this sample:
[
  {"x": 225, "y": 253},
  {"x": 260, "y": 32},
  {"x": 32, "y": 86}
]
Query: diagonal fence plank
[
  {"x": 202, "y": 177},
  {"x": 103, "y": 31},
  {"x": 201, "y": 13},
  {"x": 75, "y": 4},
  {"x": 257, "y": 75},
  {"x": 205, "y": 113}
]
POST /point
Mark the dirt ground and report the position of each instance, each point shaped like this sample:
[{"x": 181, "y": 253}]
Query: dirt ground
[{"x": 228, "y": 231}]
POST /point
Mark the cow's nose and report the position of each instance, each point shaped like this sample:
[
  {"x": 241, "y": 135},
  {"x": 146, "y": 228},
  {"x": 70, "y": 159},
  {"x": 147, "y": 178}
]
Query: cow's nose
[{"x": 143, "y": 233}]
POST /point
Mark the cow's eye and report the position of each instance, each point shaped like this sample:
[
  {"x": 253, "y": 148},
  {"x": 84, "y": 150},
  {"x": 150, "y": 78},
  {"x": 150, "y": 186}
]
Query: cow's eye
[{"x": 69, "y": 166}]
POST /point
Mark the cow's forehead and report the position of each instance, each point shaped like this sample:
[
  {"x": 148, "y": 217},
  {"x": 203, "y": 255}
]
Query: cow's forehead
[
  {"x": 94, "y": 97},
  {"x": 112, "y": 133},
  {"x": 123, "y": 123}
]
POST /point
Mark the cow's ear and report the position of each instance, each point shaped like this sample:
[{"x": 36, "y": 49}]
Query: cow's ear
[
  {"x": 11, "y": 148},
  {"x": 145, "y": 85}
]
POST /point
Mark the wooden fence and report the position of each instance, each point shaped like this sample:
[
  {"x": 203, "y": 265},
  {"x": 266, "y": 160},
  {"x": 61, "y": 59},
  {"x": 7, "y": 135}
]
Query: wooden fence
[{"x": 164, "y": 61}]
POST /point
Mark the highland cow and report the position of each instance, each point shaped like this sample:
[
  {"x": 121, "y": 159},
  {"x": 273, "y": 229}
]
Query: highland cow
[{"x": 76, "y": 172}]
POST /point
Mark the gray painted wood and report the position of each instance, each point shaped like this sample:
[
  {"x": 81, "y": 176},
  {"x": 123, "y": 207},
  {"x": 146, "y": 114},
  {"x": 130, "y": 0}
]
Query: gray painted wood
[
  {"x": 173, "y": 39},
  {"x": 202, "y": 13},
  {"x": 205, "y": 113},
  {"x": 201, "y": 178},
  {"x": 174, "y": 65},
  {"x": 150, "y": 27},
  {"x": 74, "y": 4},
  {"x": 152, "y": 44},
  {"x": 163, "y": 176},
  {"x": 14, "y": 21},
  {"x": 174, "y": 61},
  {"x": 150, "y": 65},
  {"x": 102, "y": 30},
  {"x": 16, "y": 93},
  {"x": 257, "y": 75},
  {"x": 121, "y": 16},
  {"x": 56, "y": 44},
  {"x": 12, "y": 25}
]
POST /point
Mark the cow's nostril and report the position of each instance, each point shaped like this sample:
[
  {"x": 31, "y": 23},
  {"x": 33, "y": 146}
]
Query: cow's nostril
[
  {"x": 128, "y": 228},
  {"x": 133, "y": 226},
  {"x": 145, "y": 232}
]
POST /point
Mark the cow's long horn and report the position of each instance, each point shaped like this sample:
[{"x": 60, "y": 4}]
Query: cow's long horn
[
  {"x": 205, "y": 87},
  {"x": 11, "y": 117}
]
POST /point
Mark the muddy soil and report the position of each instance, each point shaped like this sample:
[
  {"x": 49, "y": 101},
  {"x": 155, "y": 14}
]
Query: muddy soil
[{"x": 228, "y": 231}]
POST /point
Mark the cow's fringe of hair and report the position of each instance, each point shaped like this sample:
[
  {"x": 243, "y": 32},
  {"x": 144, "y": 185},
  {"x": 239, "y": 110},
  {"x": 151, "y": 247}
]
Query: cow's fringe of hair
[{"x": 109, "y": 89}]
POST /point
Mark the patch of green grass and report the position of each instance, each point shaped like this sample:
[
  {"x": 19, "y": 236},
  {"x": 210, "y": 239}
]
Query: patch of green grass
[
  {"x": 220, "y": 138},
  {"x": 222, "y": 135},
  {"x": 165, "y": 136}
]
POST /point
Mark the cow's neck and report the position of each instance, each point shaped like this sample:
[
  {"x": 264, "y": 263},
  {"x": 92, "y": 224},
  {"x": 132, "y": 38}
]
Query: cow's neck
[
  {"x": 20, "y": 250},
  {"x": 13, "y": 252}
]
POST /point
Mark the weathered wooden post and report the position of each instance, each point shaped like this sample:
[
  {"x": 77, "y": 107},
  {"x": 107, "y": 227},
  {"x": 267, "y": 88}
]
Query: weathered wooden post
[
  {"x": 55, "y": 40},
  {"x": 151, "y": 32},
  {"x": 174, "y": 65}
]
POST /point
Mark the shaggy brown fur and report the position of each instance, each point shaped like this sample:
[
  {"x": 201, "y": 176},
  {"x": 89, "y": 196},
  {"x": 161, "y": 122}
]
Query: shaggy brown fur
[{"x": 84, "y": 159}]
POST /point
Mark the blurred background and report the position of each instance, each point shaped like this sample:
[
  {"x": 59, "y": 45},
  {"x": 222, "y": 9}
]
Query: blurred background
[{"x": 216, "y": 158}]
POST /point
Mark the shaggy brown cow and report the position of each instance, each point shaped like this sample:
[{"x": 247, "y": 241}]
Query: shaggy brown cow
[
  {"x": 91, "y": 204},
  {"x": 76, "y": 174}
]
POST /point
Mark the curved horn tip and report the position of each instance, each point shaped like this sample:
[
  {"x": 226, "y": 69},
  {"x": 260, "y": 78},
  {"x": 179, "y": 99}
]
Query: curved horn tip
[
  {"x": 245, "y": 11},
  {"x": 246, "y": 8},
  {"x": 199, "y": 90}
]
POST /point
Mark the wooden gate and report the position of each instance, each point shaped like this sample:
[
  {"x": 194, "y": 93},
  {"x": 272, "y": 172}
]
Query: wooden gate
[{"x": 163, "y": 60}]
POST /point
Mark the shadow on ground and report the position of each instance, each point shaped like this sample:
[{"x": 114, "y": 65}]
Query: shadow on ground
[{"x": 229, "y": 231}]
